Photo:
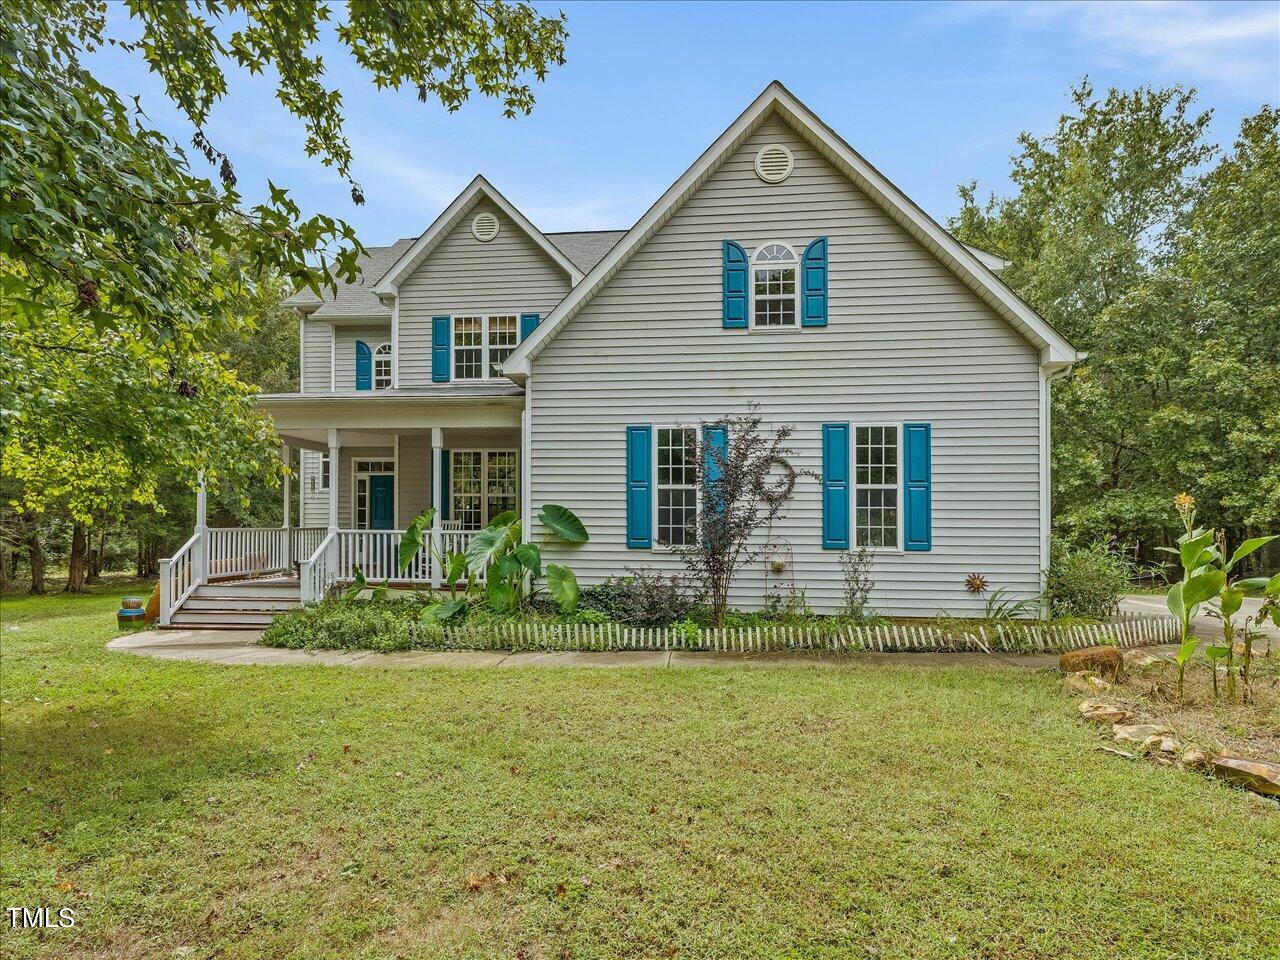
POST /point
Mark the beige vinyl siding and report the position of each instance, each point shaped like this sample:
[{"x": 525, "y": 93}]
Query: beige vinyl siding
[
  {"x": 509, "y": 274},
  {"x": 317, "y": 346},
  {"x": 906, "y": 341},
  {"x": 345, "y": 343}
]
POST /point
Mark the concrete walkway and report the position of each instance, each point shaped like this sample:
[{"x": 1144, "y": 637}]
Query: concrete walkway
[
  {"x": 241, "y": 647},
  {"x": 1202, "y": 624}
]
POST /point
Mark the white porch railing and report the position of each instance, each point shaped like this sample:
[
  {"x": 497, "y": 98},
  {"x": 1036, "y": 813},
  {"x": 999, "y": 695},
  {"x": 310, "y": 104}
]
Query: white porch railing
[
  {"x": 180, "y": 575},
  {"x": 305, "y": 540},
  {"x": 376, "y": 553},
  {"x": 323, "y": 558},
  {"x": 317, "y": 572}
]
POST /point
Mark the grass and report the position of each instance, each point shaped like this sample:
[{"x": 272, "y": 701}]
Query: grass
[{"x": 197, "y": 810}]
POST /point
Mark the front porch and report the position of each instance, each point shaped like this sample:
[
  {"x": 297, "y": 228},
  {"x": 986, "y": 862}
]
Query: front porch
[{"x": 365, "y": 469}]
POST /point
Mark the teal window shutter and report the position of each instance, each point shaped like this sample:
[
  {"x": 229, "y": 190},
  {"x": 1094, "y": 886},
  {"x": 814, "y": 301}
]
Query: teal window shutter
[
  {"x": 639, "y": 487},
  {"x": 444, "y": 485},
  {"x": 917, "y": 469},
  {"x": 528, "y": 323},
  {"x": 835, "y": 486},
  {"x": 715, "y": 443},
  {"x": 440, "y": 349},
  {"x": 814, "y": 288},
  {"x": 735, "y": 286},
  {"x": 364, "y": 366}
]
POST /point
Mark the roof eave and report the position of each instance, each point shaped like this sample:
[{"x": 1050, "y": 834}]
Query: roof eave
[{"x": 965, "y": 263}]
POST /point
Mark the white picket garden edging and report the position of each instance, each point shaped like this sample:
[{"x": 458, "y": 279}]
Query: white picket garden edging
[{"x": 1127, "y": 631}]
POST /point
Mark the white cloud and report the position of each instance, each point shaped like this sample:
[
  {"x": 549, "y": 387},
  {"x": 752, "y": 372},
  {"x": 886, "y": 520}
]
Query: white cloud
[{"x": 1232, "y": 43}]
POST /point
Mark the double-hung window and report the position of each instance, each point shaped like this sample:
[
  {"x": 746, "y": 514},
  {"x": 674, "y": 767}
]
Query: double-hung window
[
  {"x": 677, "y": 476},
  {"x": 483, "y": 484},
  {"x": 382, "y": 367},
  {"x": 774, "y": 287},
  {"x": 324, "y": 471},
  {"x": 482, "y": 343},
  {"x": 876, "y": 486}
]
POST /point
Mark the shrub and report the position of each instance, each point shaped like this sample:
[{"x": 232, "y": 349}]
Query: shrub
[
  {"x": 1085, "y": 582},
  {"x": 337, "y": 625},
  {"x": 858, "y": 582},
  {"x": 646, "y": 598}
]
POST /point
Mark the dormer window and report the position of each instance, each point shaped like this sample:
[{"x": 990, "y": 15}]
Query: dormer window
[
  {"x": 382, "y": 367},
  {"x": 481, "y": 344},
  {"x": 774, "y": 286}
]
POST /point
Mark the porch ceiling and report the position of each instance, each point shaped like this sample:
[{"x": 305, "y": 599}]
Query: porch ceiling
[{"x": 304, "y": 420}]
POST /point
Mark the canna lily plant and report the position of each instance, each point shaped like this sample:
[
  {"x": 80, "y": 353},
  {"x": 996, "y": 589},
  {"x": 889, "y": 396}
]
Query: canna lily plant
[{"x": 1206, "y": 577}]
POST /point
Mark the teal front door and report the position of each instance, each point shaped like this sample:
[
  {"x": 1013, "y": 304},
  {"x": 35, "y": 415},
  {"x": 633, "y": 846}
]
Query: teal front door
[{"x": 382, "y": 501}]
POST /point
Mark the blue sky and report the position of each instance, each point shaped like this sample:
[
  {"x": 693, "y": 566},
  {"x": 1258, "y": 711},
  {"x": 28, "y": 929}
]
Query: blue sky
[{"x": 931, "y": 93}]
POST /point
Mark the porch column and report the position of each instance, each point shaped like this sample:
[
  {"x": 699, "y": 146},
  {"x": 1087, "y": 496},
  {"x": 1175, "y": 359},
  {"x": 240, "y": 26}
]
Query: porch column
[
  {"x": 335, "y": 464},
  {"x": 437, "y": 500},
  {"x": 286, "y": 455},
  {"x": 202, "y": 531}
]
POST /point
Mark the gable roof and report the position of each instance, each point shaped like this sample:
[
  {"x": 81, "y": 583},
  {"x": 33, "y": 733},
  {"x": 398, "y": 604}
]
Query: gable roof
[
  {"x": 477, "y": 190},
  {"x": 354, "y": 299},
  {"x": 966, "y": 263},
  {"x": 586, "y": 248}
]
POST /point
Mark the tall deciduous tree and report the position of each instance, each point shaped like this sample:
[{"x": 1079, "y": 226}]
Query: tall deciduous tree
[
  {"x": 123, "y": 270},
  {"x": 1163, "y": 273}
]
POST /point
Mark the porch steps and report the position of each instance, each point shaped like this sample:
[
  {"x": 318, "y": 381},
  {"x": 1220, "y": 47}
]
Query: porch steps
[{"x": 237, "y": 604}]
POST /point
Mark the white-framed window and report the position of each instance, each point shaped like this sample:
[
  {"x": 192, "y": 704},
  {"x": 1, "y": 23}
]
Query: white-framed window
[
  {"x": 324, "y": 471},
  {"x": 482, "y": 484},
  {"x": 382, "y": 367},
  {"x": 774, "y": 287},
  {"x": 482, "y": 343},
  {"x": 361, "y": 470},
  {"x": 676, "y": 503},
  {"x": 877, "y": 521}
]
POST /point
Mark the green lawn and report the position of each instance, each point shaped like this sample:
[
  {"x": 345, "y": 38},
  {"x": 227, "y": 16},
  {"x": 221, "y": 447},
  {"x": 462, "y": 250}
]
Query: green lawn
[{"x": 217, "y": 811}]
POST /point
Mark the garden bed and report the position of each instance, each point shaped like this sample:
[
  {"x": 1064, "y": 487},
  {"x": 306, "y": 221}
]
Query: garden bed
[{"x": 404, "y": 624}]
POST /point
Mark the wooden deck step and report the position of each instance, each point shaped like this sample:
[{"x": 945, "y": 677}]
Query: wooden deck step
[
  {"x": 220, "y": 620},
  {"x": 234, "y": 603}
]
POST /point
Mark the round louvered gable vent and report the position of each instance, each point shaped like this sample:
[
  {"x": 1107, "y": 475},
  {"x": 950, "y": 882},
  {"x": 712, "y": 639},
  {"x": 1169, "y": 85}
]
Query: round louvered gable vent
[
  {"x": 484, "y": 227},
  {"x": 774, "y": 163}
]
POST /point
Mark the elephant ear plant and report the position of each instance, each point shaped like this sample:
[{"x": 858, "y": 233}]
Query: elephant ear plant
[
  {"x": 510, "y": 566},
  {"x": 1206, "y": 576}
]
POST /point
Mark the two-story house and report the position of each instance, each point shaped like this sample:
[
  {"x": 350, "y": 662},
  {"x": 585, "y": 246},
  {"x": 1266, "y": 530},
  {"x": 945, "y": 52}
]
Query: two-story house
[{"x": 485, "y": 365}]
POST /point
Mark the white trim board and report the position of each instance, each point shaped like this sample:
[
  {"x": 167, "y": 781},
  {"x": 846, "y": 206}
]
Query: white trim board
[
  {"x": 479, "y": 188},
  {"x": 963, "y": 261}
]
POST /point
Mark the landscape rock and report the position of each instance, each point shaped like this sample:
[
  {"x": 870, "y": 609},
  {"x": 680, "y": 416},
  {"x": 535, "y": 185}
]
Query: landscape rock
[
  {"x": 1100, "y": 712},
  {"x": 1141, "y": 658},
  {"x": 1077, "y": 683},
  {"x": 1196, "y": 759},
  {"x": 1137, "y": 733},
  {"x": 1257, "y": 775},
  {"x": 1105, "y": 661},
  {"x": 1160, "y": 744}
]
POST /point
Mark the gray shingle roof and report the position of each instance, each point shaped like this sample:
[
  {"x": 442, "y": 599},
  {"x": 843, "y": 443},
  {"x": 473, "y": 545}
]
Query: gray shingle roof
[
  {"x": 357, "y": 299},
  {"x": 586, "y": 248}
]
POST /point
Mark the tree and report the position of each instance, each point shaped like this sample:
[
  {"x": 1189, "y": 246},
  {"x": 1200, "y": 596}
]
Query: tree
[
  {"x": 744, "y": 485},
  {"x": 123, "y": 271},
  {"x": 1166, "y": 274}
]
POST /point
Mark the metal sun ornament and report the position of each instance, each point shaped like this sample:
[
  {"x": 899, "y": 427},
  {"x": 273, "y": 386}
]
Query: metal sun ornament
[{"x": 975, "y": 583}]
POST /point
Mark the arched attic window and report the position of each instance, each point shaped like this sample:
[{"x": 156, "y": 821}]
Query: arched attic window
[
  {"x": 382, "y": 367},
  {"x": 774, "y": 286}
]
